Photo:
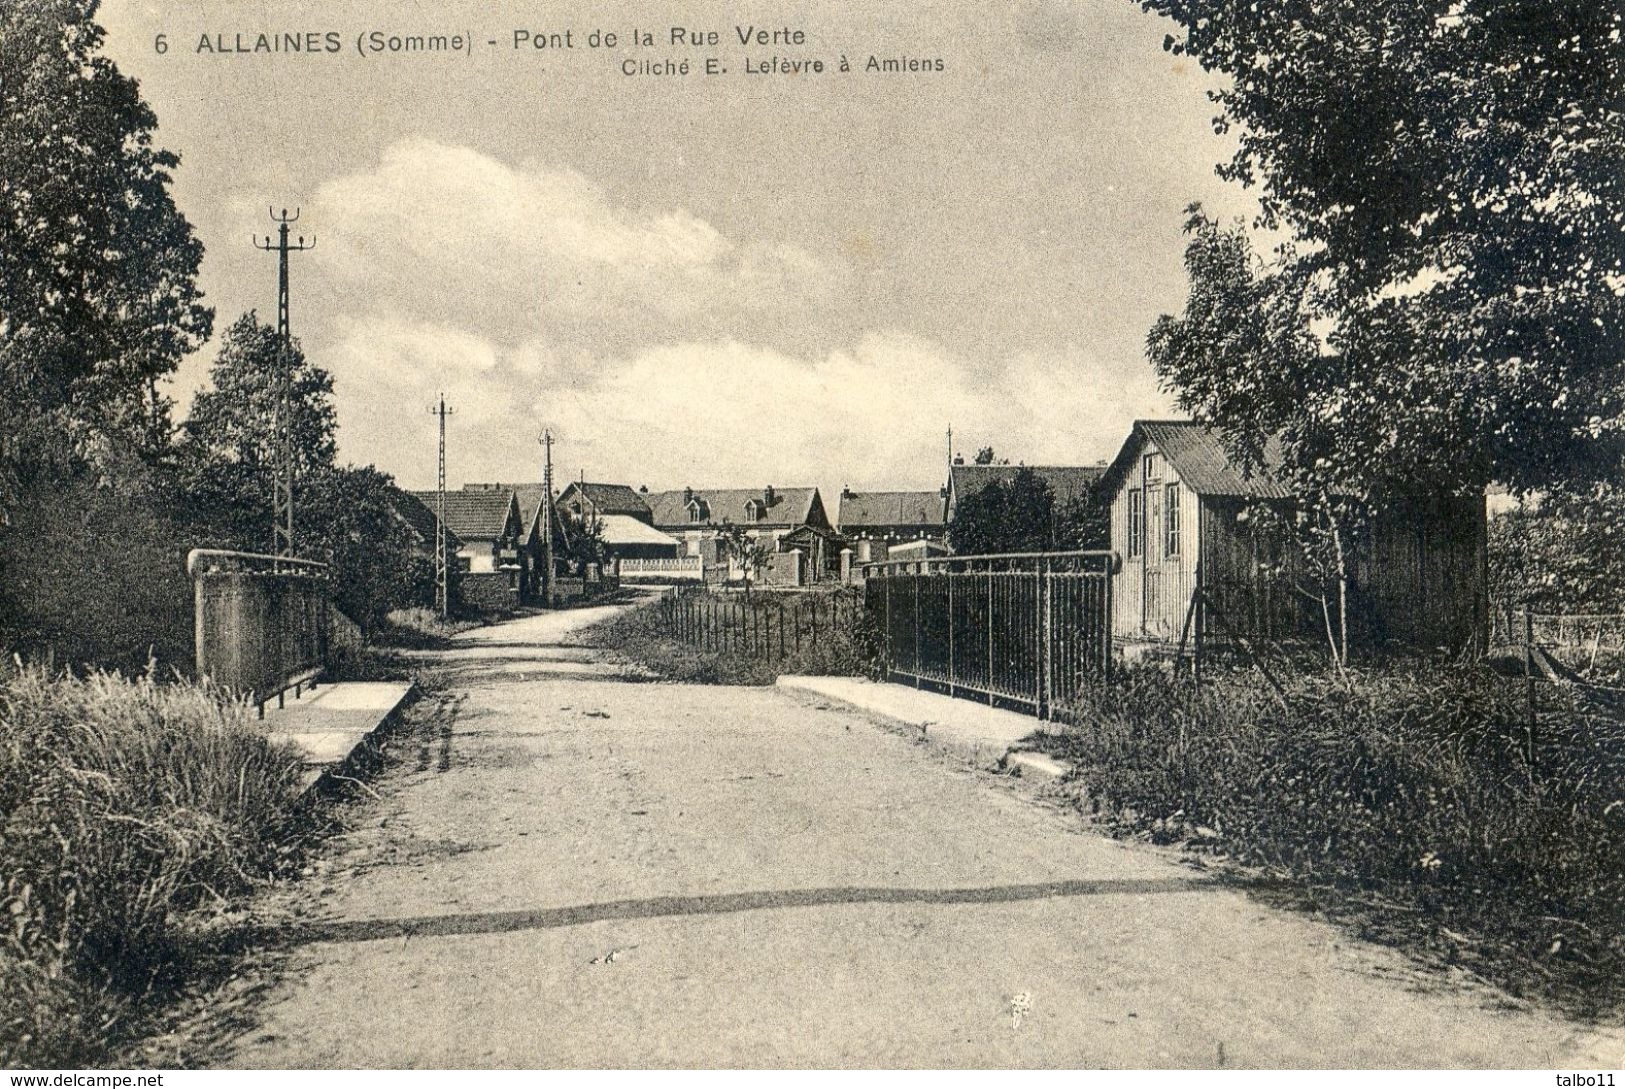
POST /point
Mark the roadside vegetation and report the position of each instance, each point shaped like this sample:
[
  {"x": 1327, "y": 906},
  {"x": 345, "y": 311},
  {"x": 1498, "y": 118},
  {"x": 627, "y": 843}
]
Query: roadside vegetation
[
  {"x": 1402, "y": 802},
  {"x": 133, "y": 814},
  {"x": 711, "y": 637}
]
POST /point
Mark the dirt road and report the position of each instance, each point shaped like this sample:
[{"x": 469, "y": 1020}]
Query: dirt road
[{"x": 566, "y": 869}]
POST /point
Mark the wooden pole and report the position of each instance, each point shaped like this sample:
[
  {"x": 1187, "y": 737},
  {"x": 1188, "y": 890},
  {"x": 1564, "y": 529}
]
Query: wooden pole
[{"x": 1529, "y": 682}]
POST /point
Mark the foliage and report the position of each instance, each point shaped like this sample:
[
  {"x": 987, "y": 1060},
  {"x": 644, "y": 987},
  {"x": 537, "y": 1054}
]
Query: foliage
[
  {"x": 1563, "y": 554},
  {"x": 345, "y": 516},
  {"x": 233, "y": 423},
  {"x": 742, "y": 640},
  {"x": 1408, "y": 789},
  {"x": 985, "y": 456},
  {"x": 744, "y": 550},
  {"x": 350, "y": 521},
  {"x": 1449, "y": 174},
  {"x": 583, "y": 535},
  {"x": 124, "y": 806},
  {"x": 97, "y": 574},
  {"x": 98, "y": 292},
  {"x": 1022, "y": 515}
]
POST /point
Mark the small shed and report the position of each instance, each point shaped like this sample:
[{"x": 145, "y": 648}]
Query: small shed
[{"x": 1185, "y": 518}]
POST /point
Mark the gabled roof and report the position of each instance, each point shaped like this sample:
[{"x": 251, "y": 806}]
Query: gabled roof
[
  {"x": 1066, "y": 482},
  {"x": 475, "y": 515},
  {"x": 420, "y": 516},
  {"x": 606, "y": 499},
  {"x": 624, "y": 529},
  {"x": 791, "y": 506},
  {"x": 1196, "y": 454},
  {"x": 859, "y": 509}
]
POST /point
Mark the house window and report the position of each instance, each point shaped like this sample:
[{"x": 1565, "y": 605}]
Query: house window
[
  {"x": 1170, "y": 520},
  {"x": 1136, "y": 522}
]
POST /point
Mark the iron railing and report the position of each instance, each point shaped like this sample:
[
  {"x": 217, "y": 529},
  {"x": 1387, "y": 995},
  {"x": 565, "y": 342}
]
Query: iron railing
[
  {"x": 260, "y": 621},
  {"x": 1030, "y": 628}
]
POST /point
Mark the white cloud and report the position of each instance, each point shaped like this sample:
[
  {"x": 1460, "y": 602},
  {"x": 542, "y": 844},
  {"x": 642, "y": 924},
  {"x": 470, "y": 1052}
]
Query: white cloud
[
  {"x": 725, "y": 412},
  {"x": 446, "y": 231}
]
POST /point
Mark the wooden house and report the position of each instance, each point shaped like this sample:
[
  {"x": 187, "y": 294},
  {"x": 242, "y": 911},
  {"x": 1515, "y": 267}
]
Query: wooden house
[{"x": 1185, "y": 518}]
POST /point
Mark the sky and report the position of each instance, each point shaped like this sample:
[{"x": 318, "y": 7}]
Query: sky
[{"x": 718, "y": 280}]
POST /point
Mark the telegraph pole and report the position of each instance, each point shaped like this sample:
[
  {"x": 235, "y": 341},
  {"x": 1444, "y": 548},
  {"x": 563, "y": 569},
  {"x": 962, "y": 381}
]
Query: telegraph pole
[
  {"x": 547, "y": 518},
  {"x": 282, "y": 492},
  {"x": 442, "y": 596}
]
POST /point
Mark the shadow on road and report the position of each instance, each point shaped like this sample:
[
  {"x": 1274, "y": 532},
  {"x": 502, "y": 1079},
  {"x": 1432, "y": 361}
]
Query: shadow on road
[{"x": 501, "y": 922}]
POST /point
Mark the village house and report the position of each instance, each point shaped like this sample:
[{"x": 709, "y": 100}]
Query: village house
[
  {"x": 875, "y": 523},
  {"x": 492, "y": 557},
  {"x": 626, "y": 521},
  {"x": 419, "y": 518},
  {"x": 1185, "y": 518},
  {"x": 783, "y": 518}
]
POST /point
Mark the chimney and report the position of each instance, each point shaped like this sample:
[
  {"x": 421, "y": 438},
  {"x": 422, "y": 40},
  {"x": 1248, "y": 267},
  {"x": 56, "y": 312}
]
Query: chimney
[
  {"x": 767, "y": 496},
  {"x": 688, "y": 495},
  {"x": 846, "y": 490}
]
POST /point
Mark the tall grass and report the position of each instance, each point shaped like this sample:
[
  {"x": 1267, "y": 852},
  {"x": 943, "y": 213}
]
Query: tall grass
[
  {"x": 847, "y": 648},
  {"x": 124, "y": 804},
  {"x": 1406, "y": 796}
]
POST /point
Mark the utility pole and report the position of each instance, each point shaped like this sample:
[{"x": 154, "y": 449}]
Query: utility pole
[
  {"x": 547, "y": 518},
  {"x": 442, "y": 594},
  {"x": 282, "y": 491}
]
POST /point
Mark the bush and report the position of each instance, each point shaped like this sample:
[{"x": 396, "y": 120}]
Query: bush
[
  {"x": 1404, "y": 792},
  {"x": 840, "y": 642},
  {"x": 124, "y": 804}
]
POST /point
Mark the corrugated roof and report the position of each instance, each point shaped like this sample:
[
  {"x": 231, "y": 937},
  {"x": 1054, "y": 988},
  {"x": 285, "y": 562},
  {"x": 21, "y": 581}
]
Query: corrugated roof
[
  {"x": 791, "y": 506},
  {"x": 1066, "y": 482},
  {"x": 860, "y": 509},
  {"x": 1196, "y": 454},
  {"x": 475, "y": 514},
  {"x": 624, "y": 529}
]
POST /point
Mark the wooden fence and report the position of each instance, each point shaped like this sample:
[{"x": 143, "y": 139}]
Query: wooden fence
[
  {"x": 1031, "y": 629},
  {"x": 1581, "y": 640},
  {"x": 771, "y": 629},
  {"x": 260, "y": 622}
]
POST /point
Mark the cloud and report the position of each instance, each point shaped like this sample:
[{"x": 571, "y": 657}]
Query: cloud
[
  {"x": 450, "y": 233},
  {"x": 724, "y": 412}
]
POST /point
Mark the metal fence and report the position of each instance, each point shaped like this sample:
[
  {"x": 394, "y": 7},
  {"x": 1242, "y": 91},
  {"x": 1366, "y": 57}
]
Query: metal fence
[
  {"x": 1032, "y": 629},
  {"x": 771, "y": 629},
  {"x": 260, "y": 621}
]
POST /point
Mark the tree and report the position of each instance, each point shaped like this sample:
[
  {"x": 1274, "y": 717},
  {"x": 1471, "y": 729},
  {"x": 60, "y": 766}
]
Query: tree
[
  {"x": 1014, "y": 516},
  {"x": 1448, "y": 171},
  {"x": 228, "y": 447},
  {"x": 583, "y": 535},
  {"x": 1563, "y": 554},
  {"x": 350, "y": 522},
  {"x": 744, "y": 550},
  {"x": 98, "y": 292}
]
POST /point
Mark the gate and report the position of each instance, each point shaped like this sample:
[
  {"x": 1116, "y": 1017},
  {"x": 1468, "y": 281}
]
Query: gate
[{"x": 1031, "y": 629}]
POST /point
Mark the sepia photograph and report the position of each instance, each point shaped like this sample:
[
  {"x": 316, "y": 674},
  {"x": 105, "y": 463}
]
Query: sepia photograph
[{"x": 660, "y": 535}]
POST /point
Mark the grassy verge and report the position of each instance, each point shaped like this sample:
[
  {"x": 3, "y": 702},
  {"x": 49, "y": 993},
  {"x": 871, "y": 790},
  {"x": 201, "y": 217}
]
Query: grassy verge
[
  {"x": 743, "y": 643},
  {"x": 129, "y": 813},
  {"x": 1399, "y": 802}
]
